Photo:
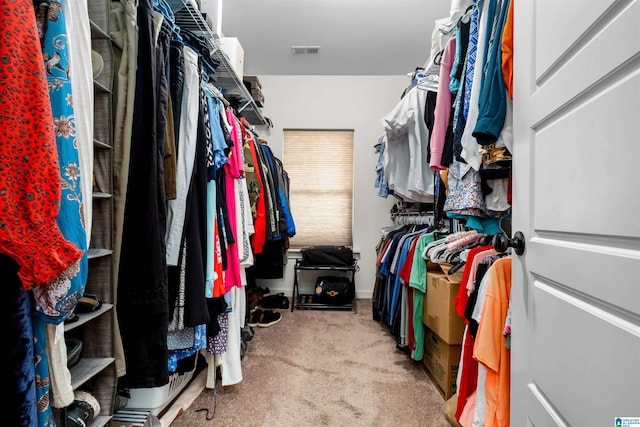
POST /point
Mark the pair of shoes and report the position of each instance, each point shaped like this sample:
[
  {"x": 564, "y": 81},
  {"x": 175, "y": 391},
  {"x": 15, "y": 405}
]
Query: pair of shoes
[
  {"x": 269, "y": 318},
  {"x": 263, "y": 318},
  {"x": 254, "y": 318},
  {"x": 83, "y": 409},
  {"x": 259, "y": 290},
  {"x": 88, "y": 303},
  {"x": 74, "y": 348},
  {"x": 254, "y": 297},
  {"x": 72, "y": 318},
  {"x": 278, "y": 301}
]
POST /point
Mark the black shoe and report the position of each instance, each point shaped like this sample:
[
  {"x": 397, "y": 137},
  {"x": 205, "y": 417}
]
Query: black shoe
[
  {"x": 269, "y": 318},
  {"x": 254, "y": 317},
  {"x": 255, "y": 296},
  {"x": 277, "y": 301},
  {"x": 247, "y": 333},
  {"x": 83, "y": 409}
]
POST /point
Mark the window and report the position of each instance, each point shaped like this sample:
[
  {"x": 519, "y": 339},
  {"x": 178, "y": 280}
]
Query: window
[{"x": 320, "y": 168}]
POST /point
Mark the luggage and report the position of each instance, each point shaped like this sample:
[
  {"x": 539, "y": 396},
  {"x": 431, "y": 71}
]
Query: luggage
[{"x": 318, "y": 256}]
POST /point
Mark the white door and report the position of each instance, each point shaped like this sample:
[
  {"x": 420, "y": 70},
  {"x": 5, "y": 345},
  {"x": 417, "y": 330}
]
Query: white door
[{"x": 576, "y": 198}]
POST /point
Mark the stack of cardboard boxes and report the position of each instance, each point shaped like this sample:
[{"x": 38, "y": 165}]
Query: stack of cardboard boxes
[
  {"x": 444, "y": 328},
  {"x": 255, "y": 89}
]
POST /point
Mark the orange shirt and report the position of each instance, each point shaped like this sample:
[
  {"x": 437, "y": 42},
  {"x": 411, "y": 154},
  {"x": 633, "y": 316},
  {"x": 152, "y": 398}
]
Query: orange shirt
[
  {"x": 507, "y": 51},
  {"x": 490, "y": 348}
]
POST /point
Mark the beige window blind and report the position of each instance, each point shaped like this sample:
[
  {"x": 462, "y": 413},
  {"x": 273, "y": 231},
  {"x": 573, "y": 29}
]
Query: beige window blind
[{"x": 320, "y": 168}]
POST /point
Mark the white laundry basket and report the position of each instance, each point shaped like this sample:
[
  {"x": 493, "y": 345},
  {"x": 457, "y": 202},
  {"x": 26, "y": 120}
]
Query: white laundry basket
[{"x": 156, "y": 399}]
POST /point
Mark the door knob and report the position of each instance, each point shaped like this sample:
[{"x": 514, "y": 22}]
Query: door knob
[{"x": 501, "y": 242}]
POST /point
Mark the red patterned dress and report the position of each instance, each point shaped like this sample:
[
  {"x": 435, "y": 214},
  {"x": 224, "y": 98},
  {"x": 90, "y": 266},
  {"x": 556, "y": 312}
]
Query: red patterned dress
[{"x": 29, "y": 172}]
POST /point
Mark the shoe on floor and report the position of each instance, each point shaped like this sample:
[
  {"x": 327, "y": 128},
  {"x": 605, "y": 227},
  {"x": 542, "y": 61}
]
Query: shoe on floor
[
  {"x": 247, "y": 333},
  {"x": 254, "y": 317},
  {"x": 278, "y": 301},
  {"x": 269, "y": 318},
  {"x": 255, "y": 295}
]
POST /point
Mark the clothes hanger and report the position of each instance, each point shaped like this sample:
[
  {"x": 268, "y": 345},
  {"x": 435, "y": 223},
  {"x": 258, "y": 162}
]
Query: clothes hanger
[{"x": 216, "y": 93}]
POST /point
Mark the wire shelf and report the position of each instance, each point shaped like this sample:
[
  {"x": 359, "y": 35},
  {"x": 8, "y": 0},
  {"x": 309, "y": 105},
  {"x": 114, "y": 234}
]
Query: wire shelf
[{"x": 188, "y": 17}]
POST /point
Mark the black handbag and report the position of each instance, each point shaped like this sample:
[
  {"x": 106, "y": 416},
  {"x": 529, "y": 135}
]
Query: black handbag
[
  {"x": 333, "y": 290},
  {"x": 337, "y": 256}
]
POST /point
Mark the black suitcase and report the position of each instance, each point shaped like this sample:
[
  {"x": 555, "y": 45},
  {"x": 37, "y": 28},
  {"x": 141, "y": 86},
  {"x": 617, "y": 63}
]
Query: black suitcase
[{"x": 318, "y": 256}]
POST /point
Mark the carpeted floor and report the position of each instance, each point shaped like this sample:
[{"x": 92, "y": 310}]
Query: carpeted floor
[{"x": 323, "y": 368}]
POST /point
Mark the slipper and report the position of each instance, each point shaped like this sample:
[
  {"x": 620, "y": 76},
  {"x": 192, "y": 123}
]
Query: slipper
[
  {"x": 88, "y": 303},
  {"x": 72, "y": 318},
  {"x": 74, "y": 348}
]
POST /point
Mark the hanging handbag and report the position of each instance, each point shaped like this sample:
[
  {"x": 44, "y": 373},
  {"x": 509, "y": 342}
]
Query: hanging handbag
[{"x": 333, "y": 290}]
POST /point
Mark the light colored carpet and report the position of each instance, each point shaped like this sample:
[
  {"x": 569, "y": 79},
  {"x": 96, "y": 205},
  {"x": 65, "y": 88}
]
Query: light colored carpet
[{"x": 324, "y": 368}]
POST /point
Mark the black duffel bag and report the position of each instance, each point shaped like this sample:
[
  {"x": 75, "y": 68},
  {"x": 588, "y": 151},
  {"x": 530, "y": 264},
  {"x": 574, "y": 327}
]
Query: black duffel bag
[
  {"x": 337, "y": 256},
  {"x": 333, "y": 290}
]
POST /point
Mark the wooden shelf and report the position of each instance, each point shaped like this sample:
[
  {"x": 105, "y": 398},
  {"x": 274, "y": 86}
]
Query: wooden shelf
[
  {"x": 99, "y": 253},
  {"x": 96, "y": 31},
  {"x": 87, "y": 317},
  {"x": 101, "y": 195},
  {"x": 99, "y": 87},
  {"x": 100, "y": 144},
  {"x": 87, "y": 368}
]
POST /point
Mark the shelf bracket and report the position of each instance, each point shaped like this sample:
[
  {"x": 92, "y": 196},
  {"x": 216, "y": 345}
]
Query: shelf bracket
[{"x": 244, "y": 106}]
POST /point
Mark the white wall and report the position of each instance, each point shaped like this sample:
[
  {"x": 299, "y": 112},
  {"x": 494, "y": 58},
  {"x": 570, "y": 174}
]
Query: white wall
[{"x": 338, "y": 102}]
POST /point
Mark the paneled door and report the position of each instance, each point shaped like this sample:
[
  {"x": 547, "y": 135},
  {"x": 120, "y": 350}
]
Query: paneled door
[{"x": 576, "y": 198}]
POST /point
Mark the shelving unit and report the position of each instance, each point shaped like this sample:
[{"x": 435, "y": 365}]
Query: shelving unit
[
  {"x": 188, "y": 17},
  {"x": 95, "y": 371},
  {"x": 306, "y": 300}
]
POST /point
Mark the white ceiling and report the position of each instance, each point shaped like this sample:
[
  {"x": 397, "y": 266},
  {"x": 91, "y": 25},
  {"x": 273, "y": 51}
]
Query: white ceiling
[{"x": 356, "y": 37}]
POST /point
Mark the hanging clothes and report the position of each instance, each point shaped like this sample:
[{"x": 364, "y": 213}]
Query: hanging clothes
[
  {"x": 492, "y": 100},
  {"x": 406, "y": 150},
  {"x": 441, "y": 151},
  {"x": 42, "y": 253},
  {"x": 491, "y": 349},
  {"x": 56, "y": 299},
  {"x": 142, "y": 276}
]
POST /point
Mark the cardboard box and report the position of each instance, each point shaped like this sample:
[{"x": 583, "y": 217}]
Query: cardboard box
[
  {"x": 455, "y": 277},
  {"x": 439, "y": 313},
  {"x": 234, "y": 51},
  {"x": 441, "y": 361},
  {"x": 258, "y": 97},
  {"x": 252, "y": 82}
]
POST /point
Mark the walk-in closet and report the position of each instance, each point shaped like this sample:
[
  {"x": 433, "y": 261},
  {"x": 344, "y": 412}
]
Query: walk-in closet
[{"x": 305, "y": 213}]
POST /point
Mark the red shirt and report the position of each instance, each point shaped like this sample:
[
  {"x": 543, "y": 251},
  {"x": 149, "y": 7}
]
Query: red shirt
[
  {"x": 460, "y": 301},
  {"x": 29, "y": 171},
  {"x": 259, "y": 236}
]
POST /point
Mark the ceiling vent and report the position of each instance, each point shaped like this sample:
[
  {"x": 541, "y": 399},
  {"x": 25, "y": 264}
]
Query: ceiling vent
[{"x": 305, "y": 50}]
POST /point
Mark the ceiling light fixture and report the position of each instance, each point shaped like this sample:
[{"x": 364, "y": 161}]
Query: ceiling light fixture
[{"x": 305, "y": 50}]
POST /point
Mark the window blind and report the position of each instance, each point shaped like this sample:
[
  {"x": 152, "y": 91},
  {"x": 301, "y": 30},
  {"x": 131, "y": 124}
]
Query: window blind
[{"x": 320, "y": 167}]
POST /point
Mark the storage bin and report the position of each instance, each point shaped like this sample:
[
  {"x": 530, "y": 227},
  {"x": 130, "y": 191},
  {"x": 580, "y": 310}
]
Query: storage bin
[{"x": 156, "y": 399}]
